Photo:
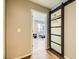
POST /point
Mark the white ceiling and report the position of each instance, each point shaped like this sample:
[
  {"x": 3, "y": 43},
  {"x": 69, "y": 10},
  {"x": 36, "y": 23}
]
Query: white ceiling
[{"x": 47, "y": 3}]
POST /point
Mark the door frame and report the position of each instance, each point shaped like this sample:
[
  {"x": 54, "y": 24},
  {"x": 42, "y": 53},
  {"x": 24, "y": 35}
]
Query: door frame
[
  {"x": 62, "y": 30},
  {"x": 46, "y": 31}
]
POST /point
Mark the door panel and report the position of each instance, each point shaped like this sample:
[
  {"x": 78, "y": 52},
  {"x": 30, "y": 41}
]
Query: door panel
[
  {"x": 56, "y": 31},
  {"x": 56, "y": 39},
  {"x": 56, "y": 14},
  {"x": 56, "y": 23},
  {"x": 56, "y": 47}
]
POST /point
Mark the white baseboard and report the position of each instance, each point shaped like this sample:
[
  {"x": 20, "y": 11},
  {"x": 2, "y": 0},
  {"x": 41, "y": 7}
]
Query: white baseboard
[
  {"x": 66, "y": 57},
  {"x": 23, "y": 56}
]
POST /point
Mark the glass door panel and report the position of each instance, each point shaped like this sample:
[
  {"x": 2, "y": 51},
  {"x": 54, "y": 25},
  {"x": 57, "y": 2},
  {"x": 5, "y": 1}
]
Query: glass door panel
[
  {"x": 56, "y": 23},
  {"x": 56, "y": 14},
  {"x": 56, "y": 39},
  {"x": 56, "y": 31},
  {"x": 56, "y": 47}
]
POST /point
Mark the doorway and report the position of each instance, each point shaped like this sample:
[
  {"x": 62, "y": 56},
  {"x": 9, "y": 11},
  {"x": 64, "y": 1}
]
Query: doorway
[{"x": 39, "y": 34}]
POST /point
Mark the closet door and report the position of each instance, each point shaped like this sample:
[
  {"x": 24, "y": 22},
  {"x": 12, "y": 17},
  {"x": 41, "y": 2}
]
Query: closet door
[{"x": 56, "y": 30}]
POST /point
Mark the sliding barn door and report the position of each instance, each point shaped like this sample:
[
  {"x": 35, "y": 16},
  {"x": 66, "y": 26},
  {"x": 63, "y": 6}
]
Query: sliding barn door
[{"x": 56, "y": 30}]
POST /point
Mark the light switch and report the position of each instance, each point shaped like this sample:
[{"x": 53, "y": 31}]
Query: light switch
[{"x": 18, "y": 30}]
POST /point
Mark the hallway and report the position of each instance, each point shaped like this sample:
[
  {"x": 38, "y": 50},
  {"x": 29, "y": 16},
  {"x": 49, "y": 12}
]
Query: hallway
[{"x": 57, "y": 16}]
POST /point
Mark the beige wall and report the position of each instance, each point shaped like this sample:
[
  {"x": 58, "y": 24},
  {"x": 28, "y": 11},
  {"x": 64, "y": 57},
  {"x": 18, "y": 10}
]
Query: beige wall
[
  {"x": 18, "y": 15},
  {"x": 70, "y": 30}
]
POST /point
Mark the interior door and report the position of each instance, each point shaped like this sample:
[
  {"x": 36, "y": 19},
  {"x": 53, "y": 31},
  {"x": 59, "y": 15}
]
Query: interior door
[{"x": 56, "y": 30}]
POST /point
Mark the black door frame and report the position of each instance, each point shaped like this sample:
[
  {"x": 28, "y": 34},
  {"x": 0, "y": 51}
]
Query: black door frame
[{"x": 62, "y": 30}]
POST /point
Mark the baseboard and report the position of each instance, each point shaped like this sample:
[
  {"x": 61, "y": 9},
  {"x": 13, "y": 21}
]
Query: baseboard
[
  {"x": 24, "y": 56},
  {"x": 66, "y": 57}
]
